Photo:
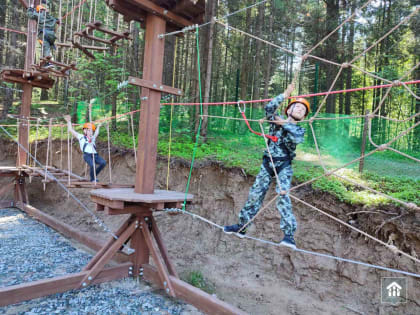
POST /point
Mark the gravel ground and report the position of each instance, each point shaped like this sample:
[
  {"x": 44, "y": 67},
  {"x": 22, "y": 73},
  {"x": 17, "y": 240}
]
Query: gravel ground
[{"x": 31, "y": 251}]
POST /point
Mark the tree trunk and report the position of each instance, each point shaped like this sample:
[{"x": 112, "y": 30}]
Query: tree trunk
[
  {"x": 269, "y": 57},
  {"x": 258, "y": 52},
  {"x": 245, "y": 61},
  {"x": 208, "y": 71},
  {"x": 331, "y": 51},
  {"x": 11, "y": 61},
  {"x": 349, "y": 70}
]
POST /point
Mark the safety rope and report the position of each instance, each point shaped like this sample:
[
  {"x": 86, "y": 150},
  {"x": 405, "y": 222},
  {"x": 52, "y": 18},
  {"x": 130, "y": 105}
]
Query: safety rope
[
  {"x": 195, "y": 216},
  {"x": 109, "y": 153},
  {"x": 171, "y": 117},
  {"x": 47, "y": 156}
]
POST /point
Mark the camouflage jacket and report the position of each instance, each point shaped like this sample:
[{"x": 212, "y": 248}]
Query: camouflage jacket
[
  {"x": 289, "y": 135},
  {"x": 45, "y": 20}
]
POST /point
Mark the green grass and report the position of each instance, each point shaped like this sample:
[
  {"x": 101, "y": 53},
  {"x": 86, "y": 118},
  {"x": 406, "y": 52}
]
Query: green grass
[
  {"x": 385, "y": 171},
  {"x": 196, "y": 279}
]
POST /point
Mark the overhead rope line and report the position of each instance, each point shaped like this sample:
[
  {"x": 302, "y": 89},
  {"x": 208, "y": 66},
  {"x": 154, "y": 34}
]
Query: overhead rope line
[
  {"x": 382, "y": 86},
  {"x": 188, "y": 28}
]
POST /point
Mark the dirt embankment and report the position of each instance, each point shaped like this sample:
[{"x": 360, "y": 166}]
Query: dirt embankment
[{"x": 259, "y": 278}]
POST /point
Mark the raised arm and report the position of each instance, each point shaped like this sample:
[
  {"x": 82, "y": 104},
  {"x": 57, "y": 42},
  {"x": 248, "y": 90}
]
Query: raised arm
[
  {"x": 97, "y": 130},
  {"x": 70, "y": 127},
  {"x": 271, "y": 107}
]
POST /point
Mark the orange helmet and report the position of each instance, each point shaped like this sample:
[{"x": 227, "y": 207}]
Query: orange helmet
[
  {"x": 40, "y": 7},
  {"x": 298, "y": 100},
  {"x": 89, "y": 126}
]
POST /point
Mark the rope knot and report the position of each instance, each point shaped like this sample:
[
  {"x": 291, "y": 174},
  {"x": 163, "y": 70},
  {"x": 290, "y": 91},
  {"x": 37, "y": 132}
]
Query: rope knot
[
  {"x": 396, "y": 83},
  {"x": 311, "y": 120},
  {"x": 345, "y": 64},
  {"x": 370, "y": 116},
  {"x": 283, "y": 192},
  {"x": 411, "y": 205},
  {"x": 305, "y": 56},
  {"x": 382, "y": 147},
  {"x": 393, "y": 249}
]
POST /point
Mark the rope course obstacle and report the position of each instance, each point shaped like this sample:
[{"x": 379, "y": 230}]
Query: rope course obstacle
[{"x": 143, "y": 200}]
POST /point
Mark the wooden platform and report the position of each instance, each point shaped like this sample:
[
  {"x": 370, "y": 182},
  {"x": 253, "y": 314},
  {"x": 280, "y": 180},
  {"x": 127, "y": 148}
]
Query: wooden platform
[
  {"x": 178, "y": 14},
  {"x": 62, "y": 70},
  {"x": 35, "y": 78},
  {"x": 117, "y": 201}
]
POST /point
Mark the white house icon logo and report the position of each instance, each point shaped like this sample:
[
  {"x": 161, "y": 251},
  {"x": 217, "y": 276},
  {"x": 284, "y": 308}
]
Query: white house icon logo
[{"x": 394, "y": 289}]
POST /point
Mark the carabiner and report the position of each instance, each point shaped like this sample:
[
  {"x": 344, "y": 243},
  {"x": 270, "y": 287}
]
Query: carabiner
[{"x": 239, "y": 106}]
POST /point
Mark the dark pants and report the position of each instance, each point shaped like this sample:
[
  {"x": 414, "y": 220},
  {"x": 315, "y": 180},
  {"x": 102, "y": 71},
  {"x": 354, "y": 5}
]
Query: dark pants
[
  {"x": 99, "y": 163},
  {"x": 47, "y": 42}
]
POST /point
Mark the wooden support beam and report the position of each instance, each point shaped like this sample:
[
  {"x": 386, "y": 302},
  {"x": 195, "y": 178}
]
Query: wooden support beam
[
  {"x": 149, "y": 115},
  {"x": 70, "y": 45},
  {"x": 83, "y": 49},
  {"x": 85, "y": 34},
  {"x": 115, "y": 204},
  {"x": 107, "y": 255},
  {"x": 97, "y": 25},
  {"x": 155, "y": 9},
  {"x": 16, "y": 76},
  {"x": 192, "y": 295},
  {"x": 7, "y": 203},
  {"x": 130, "y": 11},
  {"x": 154, "y": 86},
  {"x": 163, "y": 273},
  {"x": 32, "y": 290},
  {"x": 108, "y": 244},
  {"x": 162, "y": 249}
]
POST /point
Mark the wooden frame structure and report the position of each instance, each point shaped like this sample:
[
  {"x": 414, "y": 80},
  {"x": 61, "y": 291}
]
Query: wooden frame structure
[
  {"x": 64, "y": 70},
  {"x": 140, "y": 229},
  {"x": 88, "y": 34}
]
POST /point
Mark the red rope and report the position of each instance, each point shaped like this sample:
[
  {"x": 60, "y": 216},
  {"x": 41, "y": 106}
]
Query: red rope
[
  {"x": 272, "y": 138},
  {"x": 72, "y": 10},
  {"x": 10, "y": 30},
  {"x": 305, "y": 95}
]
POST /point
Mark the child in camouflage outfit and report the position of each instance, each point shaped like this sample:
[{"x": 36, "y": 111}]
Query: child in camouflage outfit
[
  {"x": 289, "y": 135},
  {"x": 46, "y": 28}
]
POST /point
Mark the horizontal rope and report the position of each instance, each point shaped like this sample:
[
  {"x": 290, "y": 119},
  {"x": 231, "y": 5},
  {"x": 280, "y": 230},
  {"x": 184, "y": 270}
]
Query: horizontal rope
[
  {"x": 301, "y": 250},
  {"x": 306, "y": 95},
  {"x": 11, "y": 30}
]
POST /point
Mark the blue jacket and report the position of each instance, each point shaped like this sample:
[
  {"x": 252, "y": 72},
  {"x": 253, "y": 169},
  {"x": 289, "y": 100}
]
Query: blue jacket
[{"x": 289, "y": 135}]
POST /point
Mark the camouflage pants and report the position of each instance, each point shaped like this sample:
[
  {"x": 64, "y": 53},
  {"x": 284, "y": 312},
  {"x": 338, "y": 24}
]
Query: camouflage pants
[
  {"x": 258, "y": 191},
  {"x": 47, "y": 42}
]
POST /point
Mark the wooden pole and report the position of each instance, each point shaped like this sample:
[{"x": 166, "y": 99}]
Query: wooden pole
[
  {"x": 150, "y": 107},
  {"x": 363, "y": 148},
  {"x": 25, "y": 109}
]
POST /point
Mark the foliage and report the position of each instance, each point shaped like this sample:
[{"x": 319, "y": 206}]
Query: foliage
[{"x": 196, "y": 279}]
